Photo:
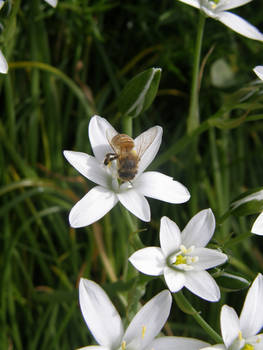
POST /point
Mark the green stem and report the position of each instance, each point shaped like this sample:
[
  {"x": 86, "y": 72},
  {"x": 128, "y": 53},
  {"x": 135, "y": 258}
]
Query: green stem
[
  {"x": 193, "y": 117},
  {"x": 186, "y": 307},
  {"x": 127, "y": 125}
]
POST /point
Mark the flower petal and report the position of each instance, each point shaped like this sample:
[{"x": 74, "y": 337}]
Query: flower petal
[
  {"x": 230, "y": 326},
  {"x": 52, "y": 3},
  {"x": 3, "y": 64},
  {"x": 170, "y": 236},
  {"x": 148, "y": 322},
  {"x": 229, "y": 5},
  {"x": 202, "y": 284},
  {"x": 147, "y": 145},
  {"x": 217, "y": 346},
  {"x": 251, "y": 318},
  {"x": 208, "y": 258},
  {"x": 88, "y": 166},
  {"x": 135, "y": 203},
  {"x": 150, "y": 261},
  {"x": 199, "y": 229},
  {"x": 95, "y": 347},
  {"x": 240, "y": 25},
  {"x": 257, "y": 227},
  {"x": 100, "y": 314},
  {"x": 175, "y": 280},
  {"x": 93, "y": 206},
  {"x": 259, "y": 71},
  {"x": 194, "y": 3},
  {"x": 159, "y": 186},
  {"x": 173, "y": 343},
  {"x": 99, "y": 128}
]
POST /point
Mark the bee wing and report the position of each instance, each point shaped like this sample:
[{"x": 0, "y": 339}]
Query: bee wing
[
  {"x": 147, "y": 145},
  {"x": 110, "y": 133}
]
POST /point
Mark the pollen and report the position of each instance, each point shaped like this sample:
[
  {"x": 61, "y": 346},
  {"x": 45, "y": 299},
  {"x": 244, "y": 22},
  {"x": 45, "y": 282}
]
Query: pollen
[
  {"x": 123, "y": 345},
  {"x": 180, "y": 259},
  {"x": 248, "y": 347},
  {"x": 143, "y": 331}
]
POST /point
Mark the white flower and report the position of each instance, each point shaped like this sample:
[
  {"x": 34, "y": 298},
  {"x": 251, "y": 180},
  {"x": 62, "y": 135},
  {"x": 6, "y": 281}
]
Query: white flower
[
  {"x": 259, "y": 71},
  {"x": 257, "y": 227},
  {"x": 106, "y": 326},
  {"x": 52, "y": 3},
  {"x": 2, "y": 2},
  {"x": 102, "y": 198},
  {"x": 182, "y": 258},
  {"x": 241, "y": 333},
  {"x": 3, "y": 64},
  {"x": 218, "y": 9}
]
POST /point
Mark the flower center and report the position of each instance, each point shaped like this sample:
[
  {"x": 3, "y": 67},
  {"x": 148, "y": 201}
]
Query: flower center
[
  {"x": 183, "y": 259},
  {"x": 248, "y": 347}
]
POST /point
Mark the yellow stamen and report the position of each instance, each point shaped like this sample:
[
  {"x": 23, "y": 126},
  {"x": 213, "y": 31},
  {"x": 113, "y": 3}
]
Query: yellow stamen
[
  {"x": 123, "y": 345},
  {"x": 248, "y": 347},
  {"x": 180, "y": 259},
  {"x": 240, "y": 335},
  {"x": 143, "y": 331}
]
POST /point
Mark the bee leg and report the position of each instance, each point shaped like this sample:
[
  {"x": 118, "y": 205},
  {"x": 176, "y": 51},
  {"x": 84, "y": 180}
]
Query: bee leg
[{"x": 109, "y": 158}]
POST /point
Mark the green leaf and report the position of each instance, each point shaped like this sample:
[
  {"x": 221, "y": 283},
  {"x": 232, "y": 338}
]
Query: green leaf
[
  {"x": 231, "y": 282},
  {"x": 139, "y": 93}
]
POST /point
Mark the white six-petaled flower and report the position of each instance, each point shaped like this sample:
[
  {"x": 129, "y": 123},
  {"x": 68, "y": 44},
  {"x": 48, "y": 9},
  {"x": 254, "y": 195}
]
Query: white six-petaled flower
[
  {"x": 241, "y": 333},
  {"x": 218, "y": 9},
  {"x": 102, "y": 198},
  {"x": 106, "y": 326},
  {"x": 182, "y": 258}
]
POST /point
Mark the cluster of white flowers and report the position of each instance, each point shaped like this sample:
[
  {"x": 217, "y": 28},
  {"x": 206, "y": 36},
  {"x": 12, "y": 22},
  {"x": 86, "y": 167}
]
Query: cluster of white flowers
[{"x": 182, "y": 257}]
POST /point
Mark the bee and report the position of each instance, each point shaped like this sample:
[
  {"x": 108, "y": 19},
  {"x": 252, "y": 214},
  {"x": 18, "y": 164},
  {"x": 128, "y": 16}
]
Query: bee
[{"x": 128, "y": 152}]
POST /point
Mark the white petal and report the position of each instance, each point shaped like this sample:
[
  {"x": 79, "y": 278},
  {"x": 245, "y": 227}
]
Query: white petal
[
  {"x": 217, "y": 346},
  {"x": 199, "y": 229},
  {"x": 150, "y": 261},
  {"x": 52, "y": 3},
  {"x": 170, "y": 236},
  {"x": 240, "y": 25},
  {"x": 148, "y": 322},
  {"x": 194, "y": 3},
  {"x": 2, "y": 2},
  {"x": 257, "y": 227},
  {"x": 176, "y": 343},
  {"x": 175, "y": 280},
  {"x": 251, "y": 318},
  {"x": 3, "y": 64},
  {"x": 208, "y": 258},
  {"x": 135, "y": 203},
  {"x": 148, "y": 153},
  {"x": 159, "y": 186},
  {"x": 93, "y": 206},
  {"x": 259, "y": 71},
  {"x": 229, "y": 5},
  {"x": 202, "y": 284},
  {"x": 99, "y": 128},
  {"x": 94, "y": 347},
  {"x": 88, "y": 166},
  {"x": 100, "y": 314},
  {"x": 230, "y": 326}
]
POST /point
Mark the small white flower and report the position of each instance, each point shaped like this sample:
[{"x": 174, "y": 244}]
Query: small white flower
[
  {"x": 2, "y": 2},
  {"x": 102, "y": 198},
  {"x": 259, "y": 71},
  {"x": 218, "y": 9},
  {"x": 3, "y": 64},
  {"x": 182, "y": 258},
  {"x": 241, "y": 333},
  {"x": 52, "y": 3},
  {"x": 106, "y": 326}
]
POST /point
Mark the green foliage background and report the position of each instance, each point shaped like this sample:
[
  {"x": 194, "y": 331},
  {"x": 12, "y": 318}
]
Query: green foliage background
[{"x": 65, "y": 65}]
